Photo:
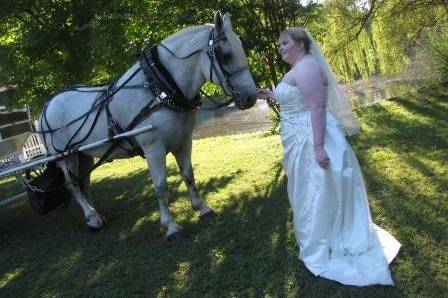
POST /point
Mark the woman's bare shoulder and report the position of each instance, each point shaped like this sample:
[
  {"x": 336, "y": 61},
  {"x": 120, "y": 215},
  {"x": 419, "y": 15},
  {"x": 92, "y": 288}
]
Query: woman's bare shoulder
[
  {"x": 308, "y": 62},
  {"x": 307, "y": 67}
]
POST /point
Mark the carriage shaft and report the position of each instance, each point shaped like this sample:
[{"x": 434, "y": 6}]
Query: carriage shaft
[{"x": 37, "y": 162}]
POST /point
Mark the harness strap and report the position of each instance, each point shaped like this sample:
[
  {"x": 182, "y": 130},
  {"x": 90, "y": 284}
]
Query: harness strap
[
  {"x": 105, "y": 96},
  {"x": 99, "y": 88},
  {"x": 114, "y": 128},
  {"x": 160, "y": 81},
  {"x": 145, "y": 112}
]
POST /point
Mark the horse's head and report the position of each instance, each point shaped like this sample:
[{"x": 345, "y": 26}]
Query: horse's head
[
  {"x": 228, "y": 63},
  {"x": 222, "y": 60}
]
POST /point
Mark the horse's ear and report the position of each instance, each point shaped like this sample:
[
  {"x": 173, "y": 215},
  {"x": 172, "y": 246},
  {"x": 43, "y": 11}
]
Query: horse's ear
[
  {"x": 218, "y": 21},
  {"x": 227, "y": 24}
]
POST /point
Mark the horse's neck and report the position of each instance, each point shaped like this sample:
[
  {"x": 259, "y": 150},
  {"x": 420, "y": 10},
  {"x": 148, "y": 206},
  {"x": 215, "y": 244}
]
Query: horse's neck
[
  {"x": 138, "y": 78},
  {"x": 187, "y": 72}
]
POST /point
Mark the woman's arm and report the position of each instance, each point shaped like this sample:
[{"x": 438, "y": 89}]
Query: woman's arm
[
  {"x": 265, "y": 93},
  {"x": 309, "y": 80}
]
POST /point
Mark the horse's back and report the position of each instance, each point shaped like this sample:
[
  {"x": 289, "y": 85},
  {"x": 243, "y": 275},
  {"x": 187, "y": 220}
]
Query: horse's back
[{"x": 69, "y": 105}]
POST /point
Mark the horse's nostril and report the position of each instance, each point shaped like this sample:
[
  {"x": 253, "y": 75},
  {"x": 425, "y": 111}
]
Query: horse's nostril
[
  {"x": 246, "y": 102},
  {"x": 251, "y": 100}
]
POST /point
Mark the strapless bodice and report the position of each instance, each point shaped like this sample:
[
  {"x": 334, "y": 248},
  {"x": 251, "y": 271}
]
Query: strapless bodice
[{"x": 290, "y": 99}]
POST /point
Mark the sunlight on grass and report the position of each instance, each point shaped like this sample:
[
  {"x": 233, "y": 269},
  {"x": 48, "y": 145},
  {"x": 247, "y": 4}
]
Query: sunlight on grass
[
  {"x": 393, "y": 166},
  {"x": 139, "y": 223},
  {"x": 217, "y": 256},
  {"x": 97, "y": 275},
  {"x": 119, "y": 168},
  {"x": 181, "y": 277},
  {"x": 10, "y": 276},
  {"x": 275, "y": 239},
  {"x": 50, "y": 295},
  {"x": 69, "y": 262}
]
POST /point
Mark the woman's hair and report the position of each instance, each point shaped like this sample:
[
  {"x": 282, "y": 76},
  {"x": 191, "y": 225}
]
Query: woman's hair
[{"x": 297, "y": 35}]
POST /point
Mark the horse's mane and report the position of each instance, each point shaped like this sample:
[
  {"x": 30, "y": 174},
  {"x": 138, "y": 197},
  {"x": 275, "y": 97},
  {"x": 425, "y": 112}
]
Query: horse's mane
[
  {"x": 187, "y": 31},
  {"x": 195, "y": 35}
]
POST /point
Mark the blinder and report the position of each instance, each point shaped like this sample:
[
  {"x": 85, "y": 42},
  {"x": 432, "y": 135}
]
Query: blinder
[{"x": 214, "y": 50}]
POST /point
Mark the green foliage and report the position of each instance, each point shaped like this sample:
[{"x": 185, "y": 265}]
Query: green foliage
[
  {"x": 46, "y": 46},
  {"x": 439, "y": 44},
  {"x": 398, "y": 29},
  {"x": 349, "y": 49}
]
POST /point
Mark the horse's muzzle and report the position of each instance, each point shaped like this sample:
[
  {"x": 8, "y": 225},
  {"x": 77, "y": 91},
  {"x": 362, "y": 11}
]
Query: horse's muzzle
[{"x": 245, "y": 102}]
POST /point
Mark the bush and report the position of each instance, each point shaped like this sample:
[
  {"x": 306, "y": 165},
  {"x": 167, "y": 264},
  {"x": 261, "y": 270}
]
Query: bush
[{"x": 438, "y": 40}]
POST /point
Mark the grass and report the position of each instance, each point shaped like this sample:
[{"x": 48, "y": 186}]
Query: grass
[
  {"x": 249, "y": 250},
  {"x": 10, "y": 187}
]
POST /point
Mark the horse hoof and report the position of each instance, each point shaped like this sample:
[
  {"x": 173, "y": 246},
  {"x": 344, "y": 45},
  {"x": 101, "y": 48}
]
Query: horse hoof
[
  {"x": 103, "y": 219},
  {"x": 94, "y": 230},
  {"x": 177, "y": 236},
  {"x": 208, "y": 216}
]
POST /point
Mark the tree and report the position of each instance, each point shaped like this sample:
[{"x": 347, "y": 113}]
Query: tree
[
  {"x": 48, "y": 45},
  {"x": 365, "y": 37}
]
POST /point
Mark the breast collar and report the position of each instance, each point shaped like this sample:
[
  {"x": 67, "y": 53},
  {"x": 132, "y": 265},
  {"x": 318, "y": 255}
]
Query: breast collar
[{"x": 162, "y": 84}]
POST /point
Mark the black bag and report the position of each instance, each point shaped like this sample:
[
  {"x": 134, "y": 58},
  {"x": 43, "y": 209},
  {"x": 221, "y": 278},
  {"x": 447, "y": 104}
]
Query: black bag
[{"x": 54, "y": 194}]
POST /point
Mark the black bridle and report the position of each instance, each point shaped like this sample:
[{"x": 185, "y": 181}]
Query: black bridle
[{"x": 214, "y": 54}]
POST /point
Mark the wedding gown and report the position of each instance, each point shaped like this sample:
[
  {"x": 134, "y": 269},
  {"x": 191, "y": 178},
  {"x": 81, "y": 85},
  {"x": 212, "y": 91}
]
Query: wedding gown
[{"x": 332, "y": 222}]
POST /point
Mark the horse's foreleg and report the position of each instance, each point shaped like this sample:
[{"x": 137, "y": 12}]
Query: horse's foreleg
[
  {"x": 157, "y": 160},
  {"x": 183, "y": 159},
  {"x": 69, "y": 166}
]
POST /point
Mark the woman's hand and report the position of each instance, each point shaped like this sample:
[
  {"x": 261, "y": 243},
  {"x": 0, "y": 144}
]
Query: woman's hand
[
  {"x": 321, "y": 157},
  {"x": 264, "y": 93}
]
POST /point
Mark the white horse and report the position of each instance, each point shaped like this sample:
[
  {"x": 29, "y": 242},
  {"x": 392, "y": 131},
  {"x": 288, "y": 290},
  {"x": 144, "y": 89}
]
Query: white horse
[{"x": 210, "y": 52}]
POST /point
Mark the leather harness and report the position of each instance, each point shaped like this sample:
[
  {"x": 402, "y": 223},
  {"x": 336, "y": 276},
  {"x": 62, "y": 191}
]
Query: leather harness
[{"x": 164, "y": 88}]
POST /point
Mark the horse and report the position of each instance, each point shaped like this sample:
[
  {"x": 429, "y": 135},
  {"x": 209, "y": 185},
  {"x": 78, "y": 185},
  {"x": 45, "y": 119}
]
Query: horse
[{"x": 83, "y": 115}]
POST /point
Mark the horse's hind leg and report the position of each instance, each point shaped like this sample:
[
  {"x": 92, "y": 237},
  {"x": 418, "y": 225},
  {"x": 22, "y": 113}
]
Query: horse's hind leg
[
  {"x": 156, "y": 157},
  {"x": 183, "y": 159},
  {"x": 70, "y": 167},
  {"x": 85, "y": 164}
]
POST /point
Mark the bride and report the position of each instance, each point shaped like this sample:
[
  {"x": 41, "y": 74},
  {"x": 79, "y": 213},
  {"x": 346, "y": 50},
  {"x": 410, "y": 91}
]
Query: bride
[{"x": 332, "y": 223}]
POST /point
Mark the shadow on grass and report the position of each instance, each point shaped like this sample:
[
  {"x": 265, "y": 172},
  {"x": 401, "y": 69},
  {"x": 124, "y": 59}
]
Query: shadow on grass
[
  {"x": 248, "y": 250},
  {"x": 72, "y": 257}
]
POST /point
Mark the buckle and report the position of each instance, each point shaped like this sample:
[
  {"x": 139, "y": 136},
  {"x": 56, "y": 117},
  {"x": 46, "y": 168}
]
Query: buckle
[
  {"x": 155, "y": 102},
  {"x": 211, "y": 51}
]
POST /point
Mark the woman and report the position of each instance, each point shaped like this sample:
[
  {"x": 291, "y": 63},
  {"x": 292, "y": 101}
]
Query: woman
[{"x": 332, "y": 223}]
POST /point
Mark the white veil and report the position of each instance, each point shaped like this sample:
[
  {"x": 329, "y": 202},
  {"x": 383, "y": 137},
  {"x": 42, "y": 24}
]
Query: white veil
[{"x": 337, "y": 102}]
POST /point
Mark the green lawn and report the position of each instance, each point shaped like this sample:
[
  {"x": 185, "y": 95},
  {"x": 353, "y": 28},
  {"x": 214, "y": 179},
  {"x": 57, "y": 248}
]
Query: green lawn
[{"x": 249, "y": 250}]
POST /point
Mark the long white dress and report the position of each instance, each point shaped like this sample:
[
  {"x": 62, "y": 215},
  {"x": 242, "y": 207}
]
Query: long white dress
[{"x": 332, "y": 222}]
